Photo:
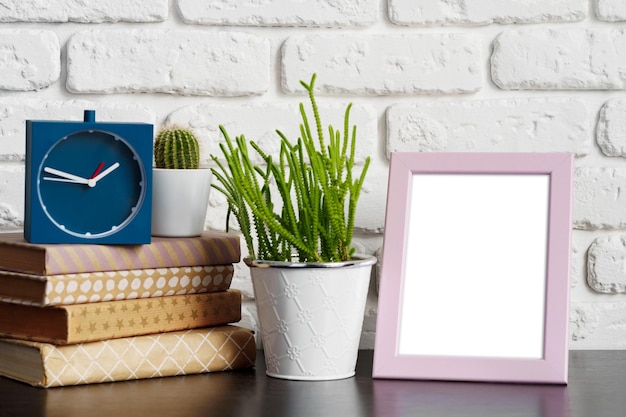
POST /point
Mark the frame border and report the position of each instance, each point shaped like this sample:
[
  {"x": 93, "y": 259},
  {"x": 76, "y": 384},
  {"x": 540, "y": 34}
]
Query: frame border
[{"x": 553, "y": 367}]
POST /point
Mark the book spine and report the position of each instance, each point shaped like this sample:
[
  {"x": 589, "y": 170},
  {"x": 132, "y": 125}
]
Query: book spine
[
  {"x": 189, "y": 352},
  {"x": 211, "y": 248},
  {"x": 116, "y": 319},
  {"x": 93, "y": 287},
  {"x": 218, "y": 249}
]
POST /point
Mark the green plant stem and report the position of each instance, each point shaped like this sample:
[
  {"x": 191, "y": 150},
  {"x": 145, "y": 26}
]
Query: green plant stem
[{"x": 311, "y": 214}]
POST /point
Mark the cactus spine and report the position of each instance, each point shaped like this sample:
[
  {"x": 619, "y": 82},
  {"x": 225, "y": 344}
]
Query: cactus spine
[{"x": 176, "y": 148}]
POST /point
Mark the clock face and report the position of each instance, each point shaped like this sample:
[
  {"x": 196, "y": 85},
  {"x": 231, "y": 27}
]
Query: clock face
[{"x": 91, "y": 183}]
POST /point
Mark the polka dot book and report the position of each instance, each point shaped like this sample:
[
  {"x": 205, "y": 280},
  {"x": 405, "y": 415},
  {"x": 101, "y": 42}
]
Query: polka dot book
[{"x": 93, "y": 287}]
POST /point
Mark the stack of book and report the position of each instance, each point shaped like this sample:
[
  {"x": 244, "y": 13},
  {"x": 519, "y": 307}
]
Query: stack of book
[{"x": 81, "y": 313}]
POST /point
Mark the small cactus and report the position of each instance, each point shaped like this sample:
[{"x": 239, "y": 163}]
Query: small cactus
[{"x": 176, "y": 148}]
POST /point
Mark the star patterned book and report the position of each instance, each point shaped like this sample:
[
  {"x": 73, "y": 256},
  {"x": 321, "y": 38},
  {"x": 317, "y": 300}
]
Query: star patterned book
[
  {"x": 93, "y": 287},
  {"x": 195, "y": 351},
  {"x": 80, "y": 323},
  {"x": 211, "y": 248}
]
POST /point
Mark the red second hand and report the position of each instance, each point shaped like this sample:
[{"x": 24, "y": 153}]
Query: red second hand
[{"x": 97, "y": 171}]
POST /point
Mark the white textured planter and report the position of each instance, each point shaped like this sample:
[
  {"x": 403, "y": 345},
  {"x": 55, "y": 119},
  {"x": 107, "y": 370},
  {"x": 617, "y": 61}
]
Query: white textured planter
[
  {"x": 311, "y": 316},
  {"x": 180, "y": 198}
]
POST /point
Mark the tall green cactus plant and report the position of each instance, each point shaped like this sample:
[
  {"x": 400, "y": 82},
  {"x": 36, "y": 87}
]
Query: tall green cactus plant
[
  {"x": 310, "y": 216},
  {"x": 176, "y": 148}
]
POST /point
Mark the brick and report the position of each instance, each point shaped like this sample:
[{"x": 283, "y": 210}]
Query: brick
[
  {"x": 611, "y": 128},
  {"x": 11, "y": 196},
  {"x": 611, "y": 10},
  {"x": 596, "y": 325},
  {"x": 530, "y": 125},
  {"x": 581, "y": 59},
  {"x": 13, "y": 112},
  {"x": 481, "y": 12},
  {"x": 599, "y": 202},
  {"x": 185, "y": 62},
  {"x": 384, "y": 64},
  {"x": 259, "y": 122},
  {"x": 605, "y": 265},
  {"x": 84, "y": 11},
  {"x": 29, "y": 59},
  {"x": 336, "y": 13}
]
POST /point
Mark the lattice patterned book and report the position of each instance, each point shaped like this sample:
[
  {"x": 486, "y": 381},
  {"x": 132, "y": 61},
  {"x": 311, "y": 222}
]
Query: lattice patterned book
[
  {"x": 187, "y": 352},
  {"x": 114, "y": 319},
  {"x": 211, "y": 248},
  {"x": 93, "y": 287}
]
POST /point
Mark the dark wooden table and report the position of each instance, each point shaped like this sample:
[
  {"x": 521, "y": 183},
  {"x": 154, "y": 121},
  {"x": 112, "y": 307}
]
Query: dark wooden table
[{"x": 597, "y": 388}]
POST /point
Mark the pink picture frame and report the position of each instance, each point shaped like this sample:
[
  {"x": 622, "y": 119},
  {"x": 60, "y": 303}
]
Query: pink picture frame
[{"x": 474, "y": 283}]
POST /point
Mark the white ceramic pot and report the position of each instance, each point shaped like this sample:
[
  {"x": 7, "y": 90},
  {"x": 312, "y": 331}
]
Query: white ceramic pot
[
  {"x": 311, "y": 316},
  {"x": 180, "y": 198}
]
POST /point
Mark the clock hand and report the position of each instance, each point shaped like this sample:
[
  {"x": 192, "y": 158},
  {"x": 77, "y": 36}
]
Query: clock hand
[
  {"x": 97, "y": 171},
  {"x": 63, "y": 180},
  {"x": 92, "y": 181},
  {"x": 74, "y": 178}
]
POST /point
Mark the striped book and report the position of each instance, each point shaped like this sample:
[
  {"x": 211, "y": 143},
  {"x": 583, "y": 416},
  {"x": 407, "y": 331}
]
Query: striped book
[
  {"x": 93, "y": 287},
  {"x": 214, "y": 349},
  {"x": 80, "y": 323},
  {"x": 211, "y": 248}
]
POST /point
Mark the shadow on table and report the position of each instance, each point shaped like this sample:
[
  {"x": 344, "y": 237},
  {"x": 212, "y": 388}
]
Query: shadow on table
[{"x": 394, "y": 398}]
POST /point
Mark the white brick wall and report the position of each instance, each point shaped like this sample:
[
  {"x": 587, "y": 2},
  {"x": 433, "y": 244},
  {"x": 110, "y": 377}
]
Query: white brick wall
[
  {"x": 611, "y": 10},
  {"x": 429, "y": 75},
  {"x": 84, "y": 11},
  {"x": 12, "y": 191},
  {"x": 171, "y": 61},
  {"x": 560, "y": 59},
  {"x": 384, "y": 64},
  {"x": 29, "y": 59},
  {"x": 605, "y": 263},
  {"x": 599, "y": 202},
  {"x": 280, "y": 12},
  {"x": 483, "y": 12},
  {"x": 525, "y": 125},
  {"x": 611, "y": 129}
]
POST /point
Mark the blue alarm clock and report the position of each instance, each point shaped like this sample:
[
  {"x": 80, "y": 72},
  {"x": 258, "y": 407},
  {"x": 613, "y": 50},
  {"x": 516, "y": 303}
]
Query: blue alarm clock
[{"x": 88, "y": 182}]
